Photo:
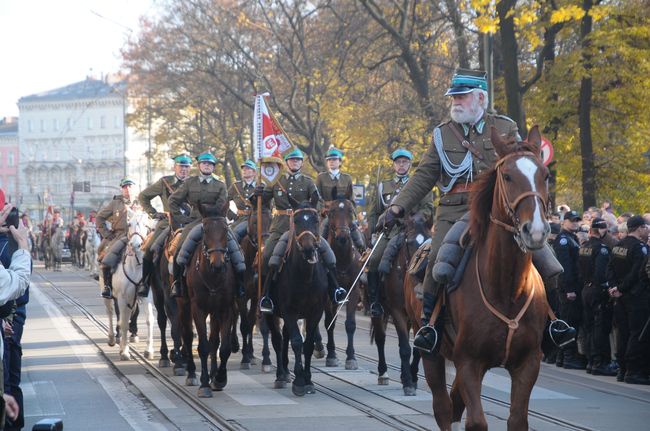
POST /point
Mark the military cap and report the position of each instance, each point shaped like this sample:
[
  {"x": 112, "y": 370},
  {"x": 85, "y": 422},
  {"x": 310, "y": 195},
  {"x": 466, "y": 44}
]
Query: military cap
[
  {"x": 206, "y": 157},
  {"x": 295, "y": 154},
  {"x": 249, "y": 164},
  {"x": 126, "y": 181},
  {"x": 183, "y": 160},
  {"x": 598, "y": 223},
  {"x": 334, "y": 153},
  {"x": 572, "y": 215},
  {"x": 466, "y": 80},
  {"x": 401, "y": 152},
  {"x": 634, "y": 222}
]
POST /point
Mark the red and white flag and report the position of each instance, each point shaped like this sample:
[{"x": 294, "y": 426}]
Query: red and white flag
[{"x": 269, "y": 140}]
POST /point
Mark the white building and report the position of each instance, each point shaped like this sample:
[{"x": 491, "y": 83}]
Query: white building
[{"x": 77, "y": 134}]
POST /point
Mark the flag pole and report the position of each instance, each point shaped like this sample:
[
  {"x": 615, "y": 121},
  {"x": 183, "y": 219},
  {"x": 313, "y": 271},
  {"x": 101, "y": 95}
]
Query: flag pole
[{"x": 260, "y": 246}]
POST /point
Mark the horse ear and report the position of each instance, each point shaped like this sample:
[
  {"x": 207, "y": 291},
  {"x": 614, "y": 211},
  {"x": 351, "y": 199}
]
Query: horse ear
[
  {"x": 535, "y": 139},
  {"x": 500, "y": 145}
]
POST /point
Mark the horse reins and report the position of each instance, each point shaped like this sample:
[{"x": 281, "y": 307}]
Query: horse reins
[{"x": 292, "y": 230}]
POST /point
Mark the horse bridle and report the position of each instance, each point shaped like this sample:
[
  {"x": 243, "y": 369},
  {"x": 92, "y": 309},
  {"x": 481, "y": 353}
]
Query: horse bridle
[
  {"x": 292, "y": 229},
  {"x": 511, "y": 206},
  {"x": 206, "y": 251}
]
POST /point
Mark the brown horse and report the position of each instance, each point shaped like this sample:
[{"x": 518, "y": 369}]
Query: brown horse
[
  {"x": 498, "y": 312},
  {"x": 341, "y": 216},
  {"x": 248, "y": 304},
  {"x": 210, "y": 287},
  {"x": 418, "y": 229}
]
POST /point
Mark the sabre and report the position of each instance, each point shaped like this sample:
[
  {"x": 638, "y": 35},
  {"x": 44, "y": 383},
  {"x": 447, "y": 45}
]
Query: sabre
[{"x": 381, "y": 235}]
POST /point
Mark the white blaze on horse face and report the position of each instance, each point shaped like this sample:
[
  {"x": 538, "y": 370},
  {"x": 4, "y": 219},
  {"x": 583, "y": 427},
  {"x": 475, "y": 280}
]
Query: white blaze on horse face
[{"x": 529, "y": 169}]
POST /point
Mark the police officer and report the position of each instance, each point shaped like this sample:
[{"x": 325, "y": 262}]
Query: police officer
[
  {"x": 241, "y": 192},
  {"x": 460, "y": 149},
  {"x": 569, "y": 286},
  {"x": 334, "y": 181},
  {"x": 204, "y": 189},
  {"x": 162, "y": 188},
  {"x": 114, "y": 240},
  {"x": 630, "y": 289},
  {"x": 300, "y": 188},
  {"x": 597, "y": 317},
  {"x": 385, "y": 194}
]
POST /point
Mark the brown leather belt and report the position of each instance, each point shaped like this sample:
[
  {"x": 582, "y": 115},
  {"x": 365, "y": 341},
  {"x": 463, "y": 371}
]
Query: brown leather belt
[
  {"x": 244, "y": 212},
  {"x": 460, "y": 188},
  {"x": 282, "y": 212}
]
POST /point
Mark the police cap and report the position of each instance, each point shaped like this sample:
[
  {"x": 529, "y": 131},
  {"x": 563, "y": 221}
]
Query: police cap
[
  {"x": 572, "y": 216},
  {"x": 634, "y": 222},
  {"x": 598, "y": 223}
]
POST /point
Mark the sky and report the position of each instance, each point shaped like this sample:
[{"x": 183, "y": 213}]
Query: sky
[{"x": 47, "y": 44}]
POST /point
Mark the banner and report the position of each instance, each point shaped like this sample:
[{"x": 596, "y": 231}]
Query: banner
[{"x": 269, "y": 141}]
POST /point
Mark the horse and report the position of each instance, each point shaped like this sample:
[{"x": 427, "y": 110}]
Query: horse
[
  {"x": 507, "y": 220},
  {"x": 210, "y": 286},
  {"x": 248, "y": 304},
  {"x": 55, "y": 248},
  {"x": 126, "y": 279},
  {"x": 418, "y": 229},
  {"x": 348, "y": 264},
  {"x": 300, "y": 292},
  {"x": 91, "y": 244}
]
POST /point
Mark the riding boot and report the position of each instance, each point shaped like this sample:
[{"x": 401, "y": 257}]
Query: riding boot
[
  {"x": 177, "y": 286},
  {"x": 376, "y": 310},
  {"x": 107, "y": 291},
  {"x": 337, "y": 293},
  {"x": 266, "y": 304},
  {"x": 427, "y": 338},
  {"x": 240, "y": 288},
  {"x": 147, "y": 270}
]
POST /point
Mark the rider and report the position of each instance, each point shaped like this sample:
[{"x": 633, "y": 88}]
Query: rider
[
  {"x": 163, "y": 188},
  {"x": 204, "y": 189},
  {"x": 240, "y": 192},
  {"x": 460, "y": 149},
  {"x": 300, "y": 188},
  {"x": 333, "y": 181},
  {"x": 386, "y": 193},
  {"x": 114, "y": 240}
]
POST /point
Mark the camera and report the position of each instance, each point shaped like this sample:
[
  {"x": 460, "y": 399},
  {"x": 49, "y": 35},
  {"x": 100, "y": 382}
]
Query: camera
[{"x": 13, "y": 219}]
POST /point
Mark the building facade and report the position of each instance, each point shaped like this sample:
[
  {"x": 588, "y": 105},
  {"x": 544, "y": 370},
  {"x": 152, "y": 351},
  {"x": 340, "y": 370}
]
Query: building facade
[
  {"x": 9, "y": 158},
  {"x": 72, "y": 136}
]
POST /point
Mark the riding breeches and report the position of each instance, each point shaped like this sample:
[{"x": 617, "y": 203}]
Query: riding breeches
[
  {"x": 240, "y": 228},
  {"x": 280, "y": 247},
  {"x": 192, "y": 239},
  {"x": 150, "y": 246},
  {"x": 114, "y": 252}
]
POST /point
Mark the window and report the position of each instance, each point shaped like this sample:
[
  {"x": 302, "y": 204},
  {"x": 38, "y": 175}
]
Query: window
[
  {"x": 102, "y": 122},
  {"x": 29, "y": 126},
  {"x": 55, "y": 125},
  {"x": 10, "y": 158},
  {"x": 69, "y": 123},
  {"x": 89, "y": 123},
  {"x": 116, "y": 122},
  {"x": 42, "y": 125}
]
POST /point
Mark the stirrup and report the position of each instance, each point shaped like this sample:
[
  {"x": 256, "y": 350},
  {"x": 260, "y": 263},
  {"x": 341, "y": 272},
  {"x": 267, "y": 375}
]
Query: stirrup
[
  {"x": 376, "y": 310},
  {"x": 339, "y": 295},
  {"x": 266, "y": 305},
  {"x": 426, "y": 339},
  {"x": 561, "y": 333}
]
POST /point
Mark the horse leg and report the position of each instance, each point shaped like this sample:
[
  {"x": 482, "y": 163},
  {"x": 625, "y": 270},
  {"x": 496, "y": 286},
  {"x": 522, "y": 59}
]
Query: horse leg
[
  {"x": 308, "y": 348},
  {"x": 469, "y": 375},
  {"x": 281, "y": 377},
  {"x": 350, "y": 329},
  {"x": 161, "y": 318},
  {"x": 379, "y": 327},
  {"x": 234, "y": 339},
  {"x": 221, "y": 379},
  {"x": 124, "y": 320},
  {"x": 171, "y": 309},
  {"x": 434, "y": 372},
  {"x": 148, "y": 306},
  {"x": 331, "y": 360},
  {"x": 399, "y": 320},
  {"x": 185, "y": 321},
  {"x": 108, "y": 303},
  {"x": 118, "y": 329},
  {"x": 523, "y": 379},
  {"x": 319, "y": 349},
  {"x": 215, "y": 344},
  {"x": 457, "y": 404},
  {"x": 292, "y": 330},
  {"x": 204, "y": 349},
  {"x": 266, "y": 353}
]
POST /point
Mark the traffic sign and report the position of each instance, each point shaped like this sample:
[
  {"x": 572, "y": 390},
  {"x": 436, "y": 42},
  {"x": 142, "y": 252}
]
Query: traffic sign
[{"x": 546, "y": 150}]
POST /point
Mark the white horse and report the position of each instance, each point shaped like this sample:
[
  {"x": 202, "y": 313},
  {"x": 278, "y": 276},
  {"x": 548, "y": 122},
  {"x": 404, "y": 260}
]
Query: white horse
[
  {"x": 91, "y": 246},
  {"x": 127, "y": 277}
]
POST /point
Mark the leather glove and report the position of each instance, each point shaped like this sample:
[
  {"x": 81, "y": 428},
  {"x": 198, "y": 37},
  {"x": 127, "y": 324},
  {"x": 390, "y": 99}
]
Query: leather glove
[
  {"x": 159, "y": 216},
  {"x": 259, "y": 190},
  {"x": 390, "y": 217}
]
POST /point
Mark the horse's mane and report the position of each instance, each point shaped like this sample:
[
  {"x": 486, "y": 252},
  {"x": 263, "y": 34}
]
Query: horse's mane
[{"x": 482, "y": 194}]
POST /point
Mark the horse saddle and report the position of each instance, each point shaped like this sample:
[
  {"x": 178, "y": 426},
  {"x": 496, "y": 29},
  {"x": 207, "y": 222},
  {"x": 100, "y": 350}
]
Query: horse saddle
[
  {"x": 172, "y": 244},
  {"x": 419, "y": 261}
]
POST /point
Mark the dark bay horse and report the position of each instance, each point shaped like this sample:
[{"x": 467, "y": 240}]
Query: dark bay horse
[
  {"x": 499, "y": 310},
  {"x": 341, "y": 216},
  {"x": 301, "y": 292},
  {"x": 418, "y": 230},
  {"x": 210, "y": 287},
  {"x": 248, "y": 304}
]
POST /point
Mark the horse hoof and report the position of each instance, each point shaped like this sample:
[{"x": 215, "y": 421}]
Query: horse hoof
[
  {"x": 134, "y": 339},
  {"x": 331, "y": 362},
  {"x": 351, "y": 364},
  {"x": 309, "y": 389},
  {"x": 266, "y": 368},
  {"x": 382, "y": 380},
  {"x": 280, "y": 384},
  {"x": 319, "y": 354},
  {"x": 125, "y": 357},
  {"x": 409, "y": 391},
  {"x": 192, "y": 381},
  {"x": 245, "y": 366},
  {"x": 204, "y": 393},
  {"x": 298, "y": 391},
  {"x": 178, "y": 372},
  {"x": 164, "y": 363},
  {"x": 218, "y": 386},
  {"x": 253, "y": 360},
  {"x": 148, "y": 355},
  {"x": 111, "y": 340}
]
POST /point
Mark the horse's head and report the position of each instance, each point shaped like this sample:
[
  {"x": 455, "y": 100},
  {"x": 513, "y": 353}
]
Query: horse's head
[
  {"x": 307, "y": 231},
  {"x": 418, "y": 230},
  {"x": 215, "y": 236},
  {"x": 341, "y": 216},
  {"x": 520, "y": 190},
  {"x": 138, "y": 228}
]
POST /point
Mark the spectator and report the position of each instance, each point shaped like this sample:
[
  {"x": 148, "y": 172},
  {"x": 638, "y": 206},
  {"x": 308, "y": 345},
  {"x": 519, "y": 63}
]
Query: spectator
[
  {"x": 563, "y": 209},
  {"x": 621, "y": 230}
]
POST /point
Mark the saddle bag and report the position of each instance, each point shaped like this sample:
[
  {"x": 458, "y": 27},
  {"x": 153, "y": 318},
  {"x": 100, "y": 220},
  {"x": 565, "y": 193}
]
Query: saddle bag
[{"x": 418, "y": 264}]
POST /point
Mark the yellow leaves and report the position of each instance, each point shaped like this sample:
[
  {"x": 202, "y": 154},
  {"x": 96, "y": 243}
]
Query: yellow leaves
[
  {"x": 487, "y": 24},
  {"x": 600, "y": 12},
  {"x": 566, "y": 14}
]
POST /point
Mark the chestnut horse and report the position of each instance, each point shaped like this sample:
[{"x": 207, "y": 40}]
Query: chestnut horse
[{"x": 498, "y": 312}]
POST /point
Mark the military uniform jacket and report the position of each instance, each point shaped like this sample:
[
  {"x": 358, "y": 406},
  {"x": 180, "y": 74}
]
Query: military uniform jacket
[
  {"x": 300, "y": 187},
  {"x": 593, "y": 260},
  {"x": 626, "y": 264},
  {"x": 164, "y": 187},
  {"x": 240, "y": 193},
  {"x": 566, "y": 248},
  {"x": 387, "y": 192},
  {"x": 195, "y": 190},
  {"x": 326, "y": 185},
  {"x": 430, "y": 171},
  {"x": 115, "y": 212}
]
